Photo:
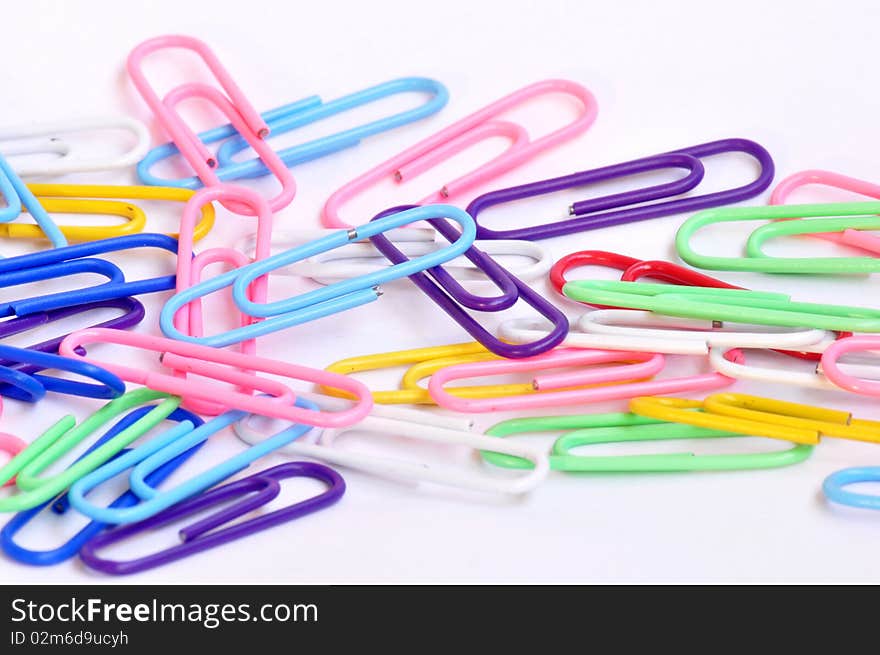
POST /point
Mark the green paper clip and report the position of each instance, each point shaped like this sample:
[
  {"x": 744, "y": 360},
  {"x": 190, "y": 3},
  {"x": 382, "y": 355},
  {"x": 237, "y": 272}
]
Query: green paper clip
[
  {"x": 65, "y": 435},
  {"x": 621, "y": 427},
  {"x": 812, "y": 219},
  {"x": 734, "y": 305}
]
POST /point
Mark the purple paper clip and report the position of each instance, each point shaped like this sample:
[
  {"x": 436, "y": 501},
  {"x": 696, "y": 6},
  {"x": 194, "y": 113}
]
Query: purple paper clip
[
  {"x": 133, "y": 314},
  {"x": 448, "y": 293},
  {"x": 254, "y": 491},
  {"x": 628, "y": 207}
]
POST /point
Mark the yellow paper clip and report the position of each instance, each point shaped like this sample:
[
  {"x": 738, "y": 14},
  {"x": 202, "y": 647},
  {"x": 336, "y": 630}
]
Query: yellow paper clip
[
  {"x": 761, "y": 417},
  {"x": 82, "y": 199},
  {"x": 410, "y": 392}
]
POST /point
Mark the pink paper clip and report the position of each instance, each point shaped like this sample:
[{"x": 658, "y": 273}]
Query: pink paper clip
[
  {"x": 190, "y": 319},
  {"x": 544, "y": 385},
  {"x": 233, "y": 104},
  {"x": 853, "y": 238},
  {"x": 224, "y": 366},
  {"x": 830, "y": 365},
  {"x": 466, "y": 132},
  {"x": 10, "y": 445}
]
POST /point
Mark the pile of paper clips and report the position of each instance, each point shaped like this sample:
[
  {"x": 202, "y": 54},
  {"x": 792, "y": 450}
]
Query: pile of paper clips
[{"x": 203, "y": 384}]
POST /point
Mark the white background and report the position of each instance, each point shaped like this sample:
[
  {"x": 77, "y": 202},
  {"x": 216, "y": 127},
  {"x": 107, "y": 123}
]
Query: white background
[{"x": 798, "y": 77}]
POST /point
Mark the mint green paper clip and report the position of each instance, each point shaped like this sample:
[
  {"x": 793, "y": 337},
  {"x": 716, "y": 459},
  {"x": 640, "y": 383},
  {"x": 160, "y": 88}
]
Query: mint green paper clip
[
  {"x": 552, "y": 424},
  {"x": 812, "y": 219},
  {"x": 64, "y": 436},
  {"x": 719, "y": 305},
  {"x": 667, "y": 462},
  {"x": 593, "y": 429}
]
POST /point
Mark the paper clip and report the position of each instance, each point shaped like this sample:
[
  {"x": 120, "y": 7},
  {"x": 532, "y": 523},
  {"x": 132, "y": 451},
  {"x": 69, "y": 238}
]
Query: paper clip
[
  {"x": 362, "y": 258},
  {"x": 297, "y": 115},
  {"x": 543, "y": 386},
  {"x": 413, "y": 394},
  {"x": 630, "y": 329},
  {"x": 632, "y": 270},
  {"x": 424, "y": 362},
  {"x": 833, "y": 487},
  {"x": 79, "y": 199},
  {"x": 814, "y": 219},
  {"x": 592, "y": 429},
  {"x": 472, "y": 129},
  {"x": 203, "y": 535},
  {"x": 70, "y": 260},
  {"x": 31, "y": 387},
  {"x": 317, "y": 303},
  {"x": 60, "y": 505},
  {"x": 811, "y": 379},
  {"x": 760, "y": 417},
  {"x": 830, "y": 364},
  {"x": 225, "y": 366},
  {"x": 133, "y": 313},
  {"x": 451, "y": 297},
  {"x": 190, "y": 320},
  {"x": 418, "y": 426},
  {"x": 725, "y": 305},
  {"x": 11, "y": 445},
  {"x": 629, "y": 206},
  {"x": 534, "y": 424},
  {"x": 233, "y": 104},
  {"x": 157, "y": 452},
  {"x": 44, "y": 145},
  {"x": 55, "y": 442},
  {"x": 18, "y": 198},
  {"x": 849, "y": 237},
  {"x": 47, "y": 138}
]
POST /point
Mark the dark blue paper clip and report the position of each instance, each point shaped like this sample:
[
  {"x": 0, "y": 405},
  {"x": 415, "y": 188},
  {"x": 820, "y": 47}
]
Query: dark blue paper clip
[
  {"x": 68, "y": 261},
  {"x": 15, "y": 275},
  {"x": 299, "y": 114},
  {"x": 19, "y": 376},
  {"x": 60, "y": 505},
  {"x": 450, "y": 296},
  {"x": 32, "y": 387}
]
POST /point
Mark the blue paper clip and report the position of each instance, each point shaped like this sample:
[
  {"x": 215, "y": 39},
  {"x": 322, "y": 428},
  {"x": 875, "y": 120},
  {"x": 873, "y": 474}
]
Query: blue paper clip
[
  {"x": 13, "y": 276},
  {"x": 32, "y": 387},
  {"x": 19, "y": 197},
  {"x": 299, "y": 114},
  {"x": 257, "y": 490},
  {"x": 150, "y": 456},
  {"x": 834, "y": 484},
  {"x": 69, "y": 260},
  {"x": 60, "y": 505},
  {"x": 318, "y": 303}
]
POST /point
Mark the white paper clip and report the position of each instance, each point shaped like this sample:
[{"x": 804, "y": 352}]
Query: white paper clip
[
  {"x": 629, "y": 329},
  {"x": 813, "y": 378},
  {"x": 387, "y": 420},
  {"x": 49, "y": 138},
  {"x": 363, "y": 258}
]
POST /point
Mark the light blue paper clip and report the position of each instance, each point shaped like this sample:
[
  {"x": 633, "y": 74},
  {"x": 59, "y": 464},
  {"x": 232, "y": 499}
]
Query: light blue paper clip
[
  {"x": 834, "y": 487},
  {"x": 150, "y": 456},
  {"x": 327, "y": 300},
  {"x": 19, "y": 197},
  {"x": 299, "y": 114}
]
